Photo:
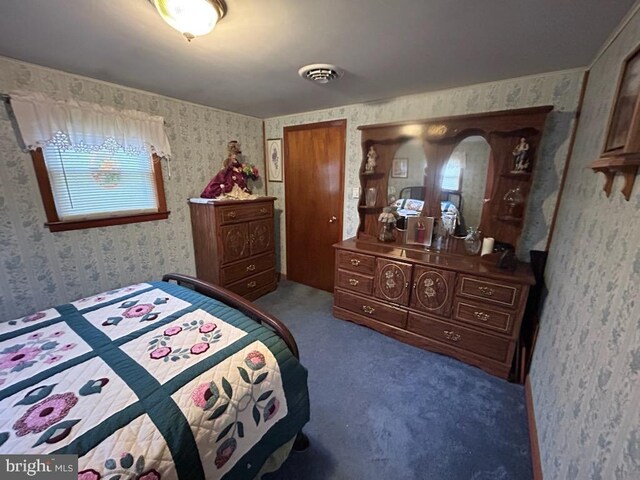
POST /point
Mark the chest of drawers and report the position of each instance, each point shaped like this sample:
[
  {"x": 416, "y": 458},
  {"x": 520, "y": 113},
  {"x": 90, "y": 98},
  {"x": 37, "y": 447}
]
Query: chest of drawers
[
  {"x": 234, "y": 245},
  {"x": 457, "y": 305}
]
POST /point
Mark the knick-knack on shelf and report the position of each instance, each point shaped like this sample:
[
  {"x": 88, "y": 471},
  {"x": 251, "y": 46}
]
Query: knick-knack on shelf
[
  {"x": 521, "y": 157},
  {"x": 372, "y": 157}
]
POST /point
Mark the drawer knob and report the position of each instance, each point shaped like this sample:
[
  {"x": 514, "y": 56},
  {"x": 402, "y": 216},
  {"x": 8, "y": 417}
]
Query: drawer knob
[
  {"x": 251, "y": 284},
  {"x": 355, "y": 262},
  {"x": 353, "y": 282},
  {"x": 368, "y": 309},
  {"x": 483, "y": 317},
  {"x": 251, "y": 268},
  {"x": 232, "y": 214},
  {"x": 263, "y": 211},
  {"x": 486, "y": 291},
  {"x": 451, "y": 335}
]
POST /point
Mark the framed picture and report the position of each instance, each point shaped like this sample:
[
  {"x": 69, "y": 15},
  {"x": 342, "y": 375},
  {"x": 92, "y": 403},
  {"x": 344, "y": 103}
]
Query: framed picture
[
  {"x": 274, "y": 160},
  {"x": 400, "y": 168},
  {"x": 625, "y": 112},
  {"x": 419, "y": 230}
]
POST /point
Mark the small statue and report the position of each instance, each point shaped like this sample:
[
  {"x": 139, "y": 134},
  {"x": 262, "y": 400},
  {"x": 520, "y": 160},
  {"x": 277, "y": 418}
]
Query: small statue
[
  {"x": 230, "y": 178},
  {"x": 372, "y": 156},
  {"x": 387, "y": 220},
  {"x": 521, "y": 156}
]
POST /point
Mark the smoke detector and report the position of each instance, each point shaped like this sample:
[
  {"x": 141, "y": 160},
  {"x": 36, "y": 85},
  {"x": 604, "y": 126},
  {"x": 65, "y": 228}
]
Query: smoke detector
[{"x": 321, "y": 72}]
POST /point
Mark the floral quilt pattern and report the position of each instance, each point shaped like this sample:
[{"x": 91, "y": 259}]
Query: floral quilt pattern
[
  {"x": 128, "y": 378},
  {"x": 33, "y": 319},
  {"x": 238, "y": 401},
  {"x": 171, "y": 348},
  {"x": 121, "y": 318},
  {"x": 30, "y": 353}
]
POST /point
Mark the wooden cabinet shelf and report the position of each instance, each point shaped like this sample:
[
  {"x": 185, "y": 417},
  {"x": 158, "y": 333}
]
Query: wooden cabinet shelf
[
  {"x": 508, "y": 218},
  {"x": 364, "y": 208},
  {"x": 372, "y": 175},
  {"x": 525, "y": 177}
]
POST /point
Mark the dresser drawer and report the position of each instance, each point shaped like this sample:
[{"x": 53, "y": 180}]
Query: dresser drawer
[
  {"x": 489, "y": 291},
  {"x": 241, "y": 213},
  {"x": 247, "y": 268},
  {"x": 371, "y": 308},
  {"x": 488, "y": 346},
  {"x": 480, "y": 315},
  {"x": 255, "y": 282},
  {"x": 355, "y": 281},
  {"x": 356, "y": 262}
]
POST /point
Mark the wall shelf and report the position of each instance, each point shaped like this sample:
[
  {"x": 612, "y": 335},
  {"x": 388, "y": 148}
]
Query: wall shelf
[
  {"x": 518, "y": 176},
  {"x": 627, "y": 165}
]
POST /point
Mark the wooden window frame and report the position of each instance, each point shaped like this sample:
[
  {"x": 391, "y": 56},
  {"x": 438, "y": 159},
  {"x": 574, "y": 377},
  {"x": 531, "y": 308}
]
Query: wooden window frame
[{"x": 56, "y": 225}]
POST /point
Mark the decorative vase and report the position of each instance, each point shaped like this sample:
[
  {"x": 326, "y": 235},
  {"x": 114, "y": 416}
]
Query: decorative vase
[
  {"x": 472, "y": 242},
  {"x": 371, "y": 196}
]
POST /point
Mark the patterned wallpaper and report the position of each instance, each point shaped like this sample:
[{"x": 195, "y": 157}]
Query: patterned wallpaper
[
  {"x": 560, "y": 89},
  {"x": 39, "y": 268},
  {"x": 586, "y": 370}
]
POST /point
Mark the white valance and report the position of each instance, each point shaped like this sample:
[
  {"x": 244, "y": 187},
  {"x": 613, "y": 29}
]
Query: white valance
[{"x": 42, "y": 119}]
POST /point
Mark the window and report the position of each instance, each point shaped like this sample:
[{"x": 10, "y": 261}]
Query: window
[
  {"x": 96, "y": 166},
  {"x": 452, "y": 176},
  {"x": 98, "y": 185}
]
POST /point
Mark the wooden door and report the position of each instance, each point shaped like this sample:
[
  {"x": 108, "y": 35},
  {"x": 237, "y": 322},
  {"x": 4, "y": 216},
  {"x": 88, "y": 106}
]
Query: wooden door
[
  {"x": 433, "y": 290},
  {"x": 314, "y": 170},
  {"x": 392, "y": 281}
]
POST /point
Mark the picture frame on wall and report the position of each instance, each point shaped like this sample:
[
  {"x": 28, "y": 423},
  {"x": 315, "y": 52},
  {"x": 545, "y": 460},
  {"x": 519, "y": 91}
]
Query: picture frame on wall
[
  {"x": 274, "y": 160},
  {"x": 621, "y": 132},
  {"x": 400, "y": 168}
]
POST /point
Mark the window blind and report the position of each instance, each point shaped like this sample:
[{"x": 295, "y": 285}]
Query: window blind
[
  {"x": 451, "y": 177},
  {"x": 100, "y": 181}
]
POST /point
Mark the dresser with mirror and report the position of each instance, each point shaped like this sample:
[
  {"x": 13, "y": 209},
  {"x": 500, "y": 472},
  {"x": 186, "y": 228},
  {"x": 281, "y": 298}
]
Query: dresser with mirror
[{"x": 474, "y": 169}]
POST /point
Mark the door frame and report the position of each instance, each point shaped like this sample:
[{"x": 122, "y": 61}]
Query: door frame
[{"x": 287, "y": 198}]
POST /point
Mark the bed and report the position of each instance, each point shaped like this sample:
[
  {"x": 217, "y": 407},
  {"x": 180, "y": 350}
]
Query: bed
[{"x": 154, "y": 381}]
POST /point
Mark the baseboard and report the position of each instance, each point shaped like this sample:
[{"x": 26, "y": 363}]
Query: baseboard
[{"x": 533, "y": 431}]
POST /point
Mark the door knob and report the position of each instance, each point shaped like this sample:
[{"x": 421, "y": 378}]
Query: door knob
[{"x": 333, "y": 219}]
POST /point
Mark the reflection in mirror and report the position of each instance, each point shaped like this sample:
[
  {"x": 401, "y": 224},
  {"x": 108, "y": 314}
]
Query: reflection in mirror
[
  {"x": 406, "y": 178},
  {"x": 464, "y": 178}
]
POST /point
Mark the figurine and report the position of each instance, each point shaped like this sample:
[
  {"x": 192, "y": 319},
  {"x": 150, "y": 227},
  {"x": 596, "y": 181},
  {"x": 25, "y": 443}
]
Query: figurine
[
  {"x": 230, "y": 178},
  {"x": 372, "y": 156},
  {"x": 521, "y": 156}
]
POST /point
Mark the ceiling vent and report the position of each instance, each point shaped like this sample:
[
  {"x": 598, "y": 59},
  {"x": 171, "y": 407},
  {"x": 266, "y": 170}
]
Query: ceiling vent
[{"x": 321, "y": 72}]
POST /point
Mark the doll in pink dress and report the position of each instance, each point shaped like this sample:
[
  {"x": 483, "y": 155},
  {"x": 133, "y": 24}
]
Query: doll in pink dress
[{"x": 229, "y": 176}]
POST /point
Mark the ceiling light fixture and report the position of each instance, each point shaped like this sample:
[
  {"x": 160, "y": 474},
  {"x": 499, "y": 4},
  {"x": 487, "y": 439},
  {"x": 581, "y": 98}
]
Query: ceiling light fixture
[
  {"x": 192, "y": 18},
  {"x": 321, "y": 72}
]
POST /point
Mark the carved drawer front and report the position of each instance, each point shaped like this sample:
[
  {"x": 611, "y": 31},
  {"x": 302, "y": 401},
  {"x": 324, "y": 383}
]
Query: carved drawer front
[
  {"x": 489, "y": 291},
  {"x": 392, "y": 280},
  {"x": 433, "y": 290},
  {"x": 235, "y": 242},
  {"x": 356, "y": 262},
  {"x": 481, "y": 316},
  {"x": 242, "y": 213},
  {"x": 250, "y": 284},
  {"x": 261, "y": 236},
  {"x": 489, "y": 346},
  {"x": 371, "y": 308},
  {"x": 355, "y": 281},
  {"x": 247, "y": 268}
]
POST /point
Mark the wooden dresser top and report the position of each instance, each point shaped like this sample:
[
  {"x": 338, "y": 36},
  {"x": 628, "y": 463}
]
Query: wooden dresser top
[{"x": 451, "y": 259}]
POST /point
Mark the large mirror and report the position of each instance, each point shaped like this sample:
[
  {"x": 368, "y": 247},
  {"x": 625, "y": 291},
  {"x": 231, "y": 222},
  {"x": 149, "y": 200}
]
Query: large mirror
[
  {"x": 464, "y": 179},
  {"x": 463, "y": 182}
]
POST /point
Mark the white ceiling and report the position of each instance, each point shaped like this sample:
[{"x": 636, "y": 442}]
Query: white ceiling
[{"x": 249, "y": 63}]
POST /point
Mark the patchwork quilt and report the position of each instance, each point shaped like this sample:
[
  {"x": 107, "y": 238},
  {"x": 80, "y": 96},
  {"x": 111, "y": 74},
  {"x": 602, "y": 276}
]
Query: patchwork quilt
[{"x": 152, "y": 381}]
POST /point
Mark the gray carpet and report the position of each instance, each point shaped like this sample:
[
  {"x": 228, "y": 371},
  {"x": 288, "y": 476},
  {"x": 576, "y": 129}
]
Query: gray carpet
[{"x": 381, "y": 409}]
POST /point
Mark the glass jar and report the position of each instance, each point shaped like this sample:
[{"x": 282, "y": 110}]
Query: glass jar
[
  {"x": 371, "y": 196},
  {"x": 472, "y": 242}
]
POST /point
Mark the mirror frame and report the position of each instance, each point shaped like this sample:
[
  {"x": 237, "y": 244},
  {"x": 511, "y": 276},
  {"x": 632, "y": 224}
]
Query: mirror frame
[{"x": 440, "y": 136}]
